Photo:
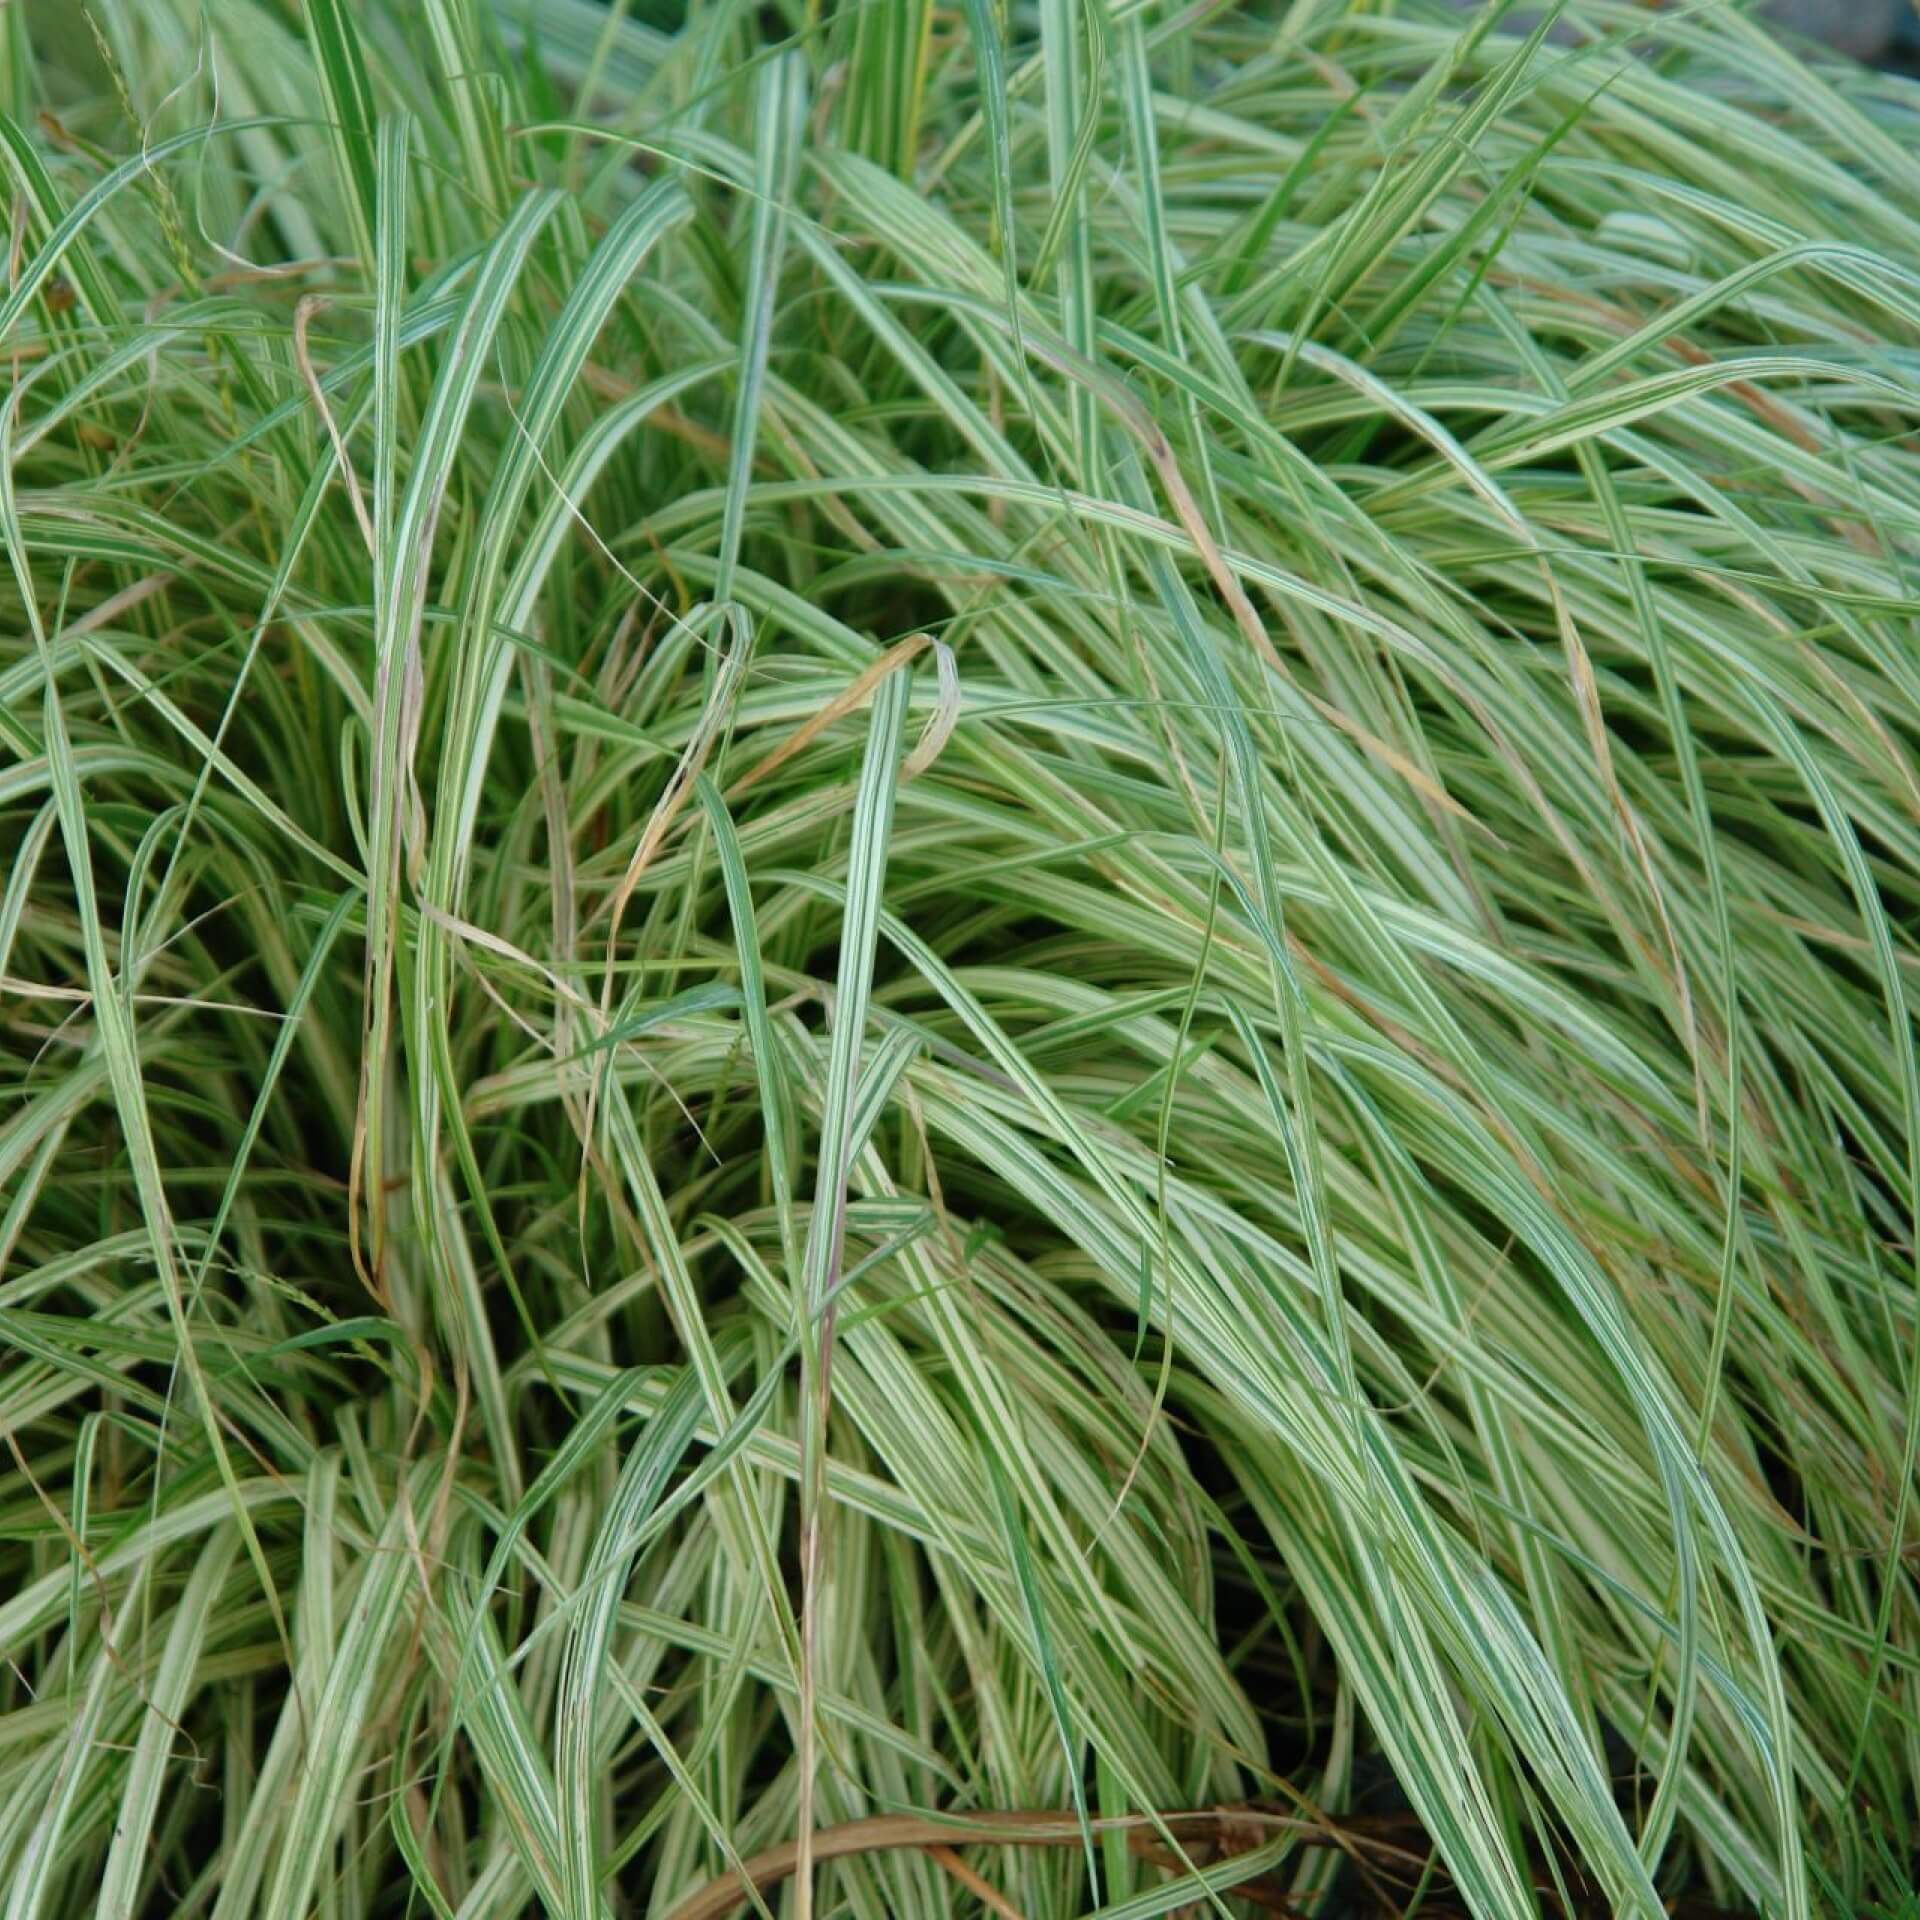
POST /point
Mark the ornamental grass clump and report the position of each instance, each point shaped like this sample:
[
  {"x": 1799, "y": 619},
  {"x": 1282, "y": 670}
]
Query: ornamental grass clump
[{"x": 956, "y": 959}]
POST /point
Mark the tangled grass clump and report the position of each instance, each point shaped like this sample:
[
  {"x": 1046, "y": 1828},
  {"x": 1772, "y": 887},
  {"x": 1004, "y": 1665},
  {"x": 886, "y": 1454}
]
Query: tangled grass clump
[{"x": 956, "y": 956}]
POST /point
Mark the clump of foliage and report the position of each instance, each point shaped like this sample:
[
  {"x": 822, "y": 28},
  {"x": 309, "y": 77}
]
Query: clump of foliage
[{"x": 929, "y": 932}]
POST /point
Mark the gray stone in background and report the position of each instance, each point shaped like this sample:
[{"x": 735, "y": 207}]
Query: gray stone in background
[
  {"x": 1865, "y": 29},
  {"x": 1862, "y": 28}
]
